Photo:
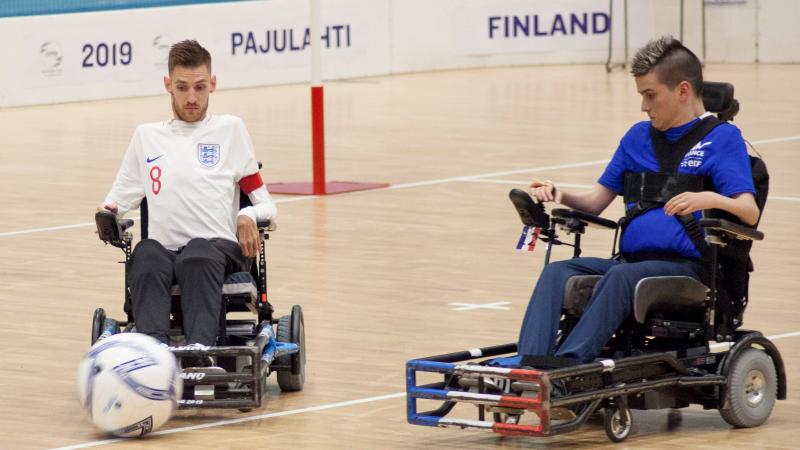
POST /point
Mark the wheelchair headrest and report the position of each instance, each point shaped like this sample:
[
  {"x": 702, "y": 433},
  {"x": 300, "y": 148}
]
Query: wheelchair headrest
[{"x": 718, "y": 98}]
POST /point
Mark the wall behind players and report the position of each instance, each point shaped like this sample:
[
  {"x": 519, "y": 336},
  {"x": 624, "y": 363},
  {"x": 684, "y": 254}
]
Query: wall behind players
[{"x": 120, "y": 53}]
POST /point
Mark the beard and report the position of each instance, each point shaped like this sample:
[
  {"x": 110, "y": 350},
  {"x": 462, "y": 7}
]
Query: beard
[{"x": 192, "y": 115}]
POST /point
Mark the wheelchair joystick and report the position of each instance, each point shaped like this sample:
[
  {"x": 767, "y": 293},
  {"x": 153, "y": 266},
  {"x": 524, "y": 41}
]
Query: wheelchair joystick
[{"x": 111, "y": 230}]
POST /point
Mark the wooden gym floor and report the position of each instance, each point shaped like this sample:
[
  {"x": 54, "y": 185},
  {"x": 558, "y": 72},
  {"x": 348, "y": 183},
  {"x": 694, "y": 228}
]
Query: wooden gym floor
[{"x": 378, "y": 272}]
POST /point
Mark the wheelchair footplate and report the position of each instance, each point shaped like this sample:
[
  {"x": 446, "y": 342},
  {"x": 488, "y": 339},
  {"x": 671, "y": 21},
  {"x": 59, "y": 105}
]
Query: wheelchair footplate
[
  {"x": 524, "y": 401},
  {"x": 207, "y": 383}
]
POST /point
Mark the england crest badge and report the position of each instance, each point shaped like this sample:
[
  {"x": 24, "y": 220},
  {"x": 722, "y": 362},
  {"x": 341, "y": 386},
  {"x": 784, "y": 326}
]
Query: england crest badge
[{"x": 208, "y": 154}]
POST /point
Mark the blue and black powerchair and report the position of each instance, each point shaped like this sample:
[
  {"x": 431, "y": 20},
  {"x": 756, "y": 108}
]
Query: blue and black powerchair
[{"x": 683, "y": 343}]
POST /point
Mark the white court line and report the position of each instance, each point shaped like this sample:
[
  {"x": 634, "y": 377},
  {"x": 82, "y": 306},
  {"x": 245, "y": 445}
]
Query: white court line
[
  {"x": 776, "y": 140},
  {"x": 525, "y": 183},
  {"x": 424, "y": 183},
  {"x": 243, "y": 420},
  {"x": 784, "y": 335},
  {"x": 87, "y": 224},
  {"x": 392, "y": 187},
  {"x": 772, "y": 338},
  {"x": 494, "y": 174},
  {"x": 291, "y": 412},
  {"x": 40, "y": 230}
]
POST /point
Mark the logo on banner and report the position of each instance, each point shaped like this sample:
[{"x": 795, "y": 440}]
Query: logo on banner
[
  {"x": 161, "y": 44},
  {"x": 208, "y": 154},
  {"x": 51, "y": 58}
]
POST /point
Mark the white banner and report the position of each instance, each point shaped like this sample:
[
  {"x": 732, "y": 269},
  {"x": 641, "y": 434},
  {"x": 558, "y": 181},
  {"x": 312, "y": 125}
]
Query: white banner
[
  {"x": 123, "y": 53},
  {"x": 85, "y": 56},
  {"x": 512, "y": 26}
]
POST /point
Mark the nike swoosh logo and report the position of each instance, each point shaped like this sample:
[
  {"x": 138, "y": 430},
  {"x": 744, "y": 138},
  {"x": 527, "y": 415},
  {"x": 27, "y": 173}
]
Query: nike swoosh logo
[{"x": 149, "y": 159}]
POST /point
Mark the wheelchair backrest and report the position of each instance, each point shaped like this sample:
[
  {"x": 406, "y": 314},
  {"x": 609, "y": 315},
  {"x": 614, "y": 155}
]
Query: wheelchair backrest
[{"x": 735, "y": 264}]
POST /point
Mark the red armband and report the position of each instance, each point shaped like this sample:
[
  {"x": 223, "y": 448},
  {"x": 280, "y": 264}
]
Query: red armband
[{"x": 250, "y": 183}]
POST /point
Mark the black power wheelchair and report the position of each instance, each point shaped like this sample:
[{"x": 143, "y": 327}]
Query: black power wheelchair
[
  {"x": 661, "y": 357},
  {"x": 247, "y": 351}
]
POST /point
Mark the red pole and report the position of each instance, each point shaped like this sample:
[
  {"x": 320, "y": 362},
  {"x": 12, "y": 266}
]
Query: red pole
[{"x": 318, "y": 139}]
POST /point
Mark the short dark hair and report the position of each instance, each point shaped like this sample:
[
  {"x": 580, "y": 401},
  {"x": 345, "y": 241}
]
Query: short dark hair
[
  {"x": 671, "y": 61},
  {"x": 188, "y": 53}
]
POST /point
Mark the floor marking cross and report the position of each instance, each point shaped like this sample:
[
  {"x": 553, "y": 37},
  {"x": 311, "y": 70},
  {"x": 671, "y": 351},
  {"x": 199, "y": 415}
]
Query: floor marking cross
[{"x": 456, "y": 306}]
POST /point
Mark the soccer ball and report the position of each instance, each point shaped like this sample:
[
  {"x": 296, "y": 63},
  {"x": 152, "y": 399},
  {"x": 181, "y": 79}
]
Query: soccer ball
[{"x": 129, "y": 384}]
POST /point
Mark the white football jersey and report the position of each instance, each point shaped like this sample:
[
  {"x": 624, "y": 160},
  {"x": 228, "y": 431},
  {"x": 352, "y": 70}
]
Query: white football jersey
[{"x": 189, "y": 173}]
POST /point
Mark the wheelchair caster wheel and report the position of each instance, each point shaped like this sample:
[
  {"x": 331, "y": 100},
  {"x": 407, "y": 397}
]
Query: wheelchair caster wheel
[
  {"x": 513, "y": 419},
  {"x": 674, "y": 418},
  {"x": 618, "y": 423}
]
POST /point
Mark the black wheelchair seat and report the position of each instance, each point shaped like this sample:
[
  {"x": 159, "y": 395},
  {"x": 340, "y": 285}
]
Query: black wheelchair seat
[
  {"x": 578, "y": 292},
  {"x": 240, "y": 284},
  {"x": 672, "y": 297},
  {"x": 237, "y": 284},
  {"x": 670, "y": 305}
]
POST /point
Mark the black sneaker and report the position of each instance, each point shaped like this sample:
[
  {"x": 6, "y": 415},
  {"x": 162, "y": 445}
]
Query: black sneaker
[{"x": 199, "y": 360}]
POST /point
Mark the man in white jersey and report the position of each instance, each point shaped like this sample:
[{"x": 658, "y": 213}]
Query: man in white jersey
[{"x": 191, "y": 170}]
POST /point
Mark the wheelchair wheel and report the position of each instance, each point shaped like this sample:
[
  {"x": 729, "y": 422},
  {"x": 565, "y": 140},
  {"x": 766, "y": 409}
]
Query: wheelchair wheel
[
  {"x": 97, "y": 324},
  {"x": 505, "y": 415},
  {"x": 292, "y": 329},
  {"x": 751, "y": 390},
  {"x": 100, "y": 323},
  {"x": 674, "y": 419},
  {"x": 618, "y": 422}
]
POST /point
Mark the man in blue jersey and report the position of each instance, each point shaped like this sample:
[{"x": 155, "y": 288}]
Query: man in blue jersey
[{"x": 654, "y": 242}]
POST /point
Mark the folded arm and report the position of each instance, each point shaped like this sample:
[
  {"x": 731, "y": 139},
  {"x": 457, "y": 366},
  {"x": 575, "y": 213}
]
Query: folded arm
[{"x": 741, "y": 205}]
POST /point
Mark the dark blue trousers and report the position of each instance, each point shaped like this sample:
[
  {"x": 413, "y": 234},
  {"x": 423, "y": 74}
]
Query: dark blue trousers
[{"x": 610, "y": 305}]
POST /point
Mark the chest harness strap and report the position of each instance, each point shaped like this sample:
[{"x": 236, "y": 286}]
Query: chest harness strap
[{"x": 644, "y": 191}]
